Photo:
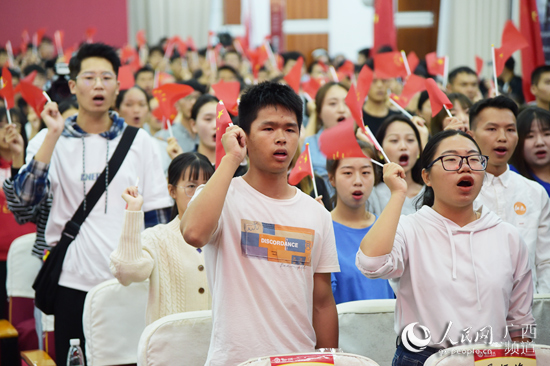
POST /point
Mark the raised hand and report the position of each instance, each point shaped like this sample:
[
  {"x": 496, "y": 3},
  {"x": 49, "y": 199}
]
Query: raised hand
[
  {"x": 53, "y": 119},
  {"x": 173, "y": 149},
  {"x": 14, "y": 140},
  {"x": 422, "y": 128},
  {"x": 455, "y": 124},
  {"x": 132, "y": 198},
  {"x": 234, "y": 143},
  {"x": 394, "y": 177}
]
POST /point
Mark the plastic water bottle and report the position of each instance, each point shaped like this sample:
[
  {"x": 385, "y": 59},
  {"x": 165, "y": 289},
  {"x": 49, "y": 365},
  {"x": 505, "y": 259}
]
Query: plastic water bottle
[{"x": 75, "y": 356}]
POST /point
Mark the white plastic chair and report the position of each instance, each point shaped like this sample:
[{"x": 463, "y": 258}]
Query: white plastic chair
[
  {"x": 339, "y": 359},
  {"x": 113, "y": 319},
  {"x": 177, "y": 339},
  {"x": 22, "y": 267},
  {"x": 366, "y": 328},
  {"x": 463, "y": 355},
  {"x": 541, "y": 313}
]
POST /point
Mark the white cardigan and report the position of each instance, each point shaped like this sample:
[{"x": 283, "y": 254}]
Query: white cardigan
[{"x": 176, "y": 270}]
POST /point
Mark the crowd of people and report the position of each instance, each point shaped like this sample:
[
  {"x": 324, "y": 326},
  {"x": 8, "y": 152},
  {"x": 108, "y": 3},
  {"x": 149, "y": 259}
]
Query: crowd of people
[{"x": 455, "y": 226}]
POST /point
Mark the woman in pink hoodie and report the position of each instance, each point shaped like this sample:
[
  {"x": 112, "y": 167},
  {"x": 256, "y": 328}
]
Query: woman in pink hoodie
[{"x": 460, "y": 275}]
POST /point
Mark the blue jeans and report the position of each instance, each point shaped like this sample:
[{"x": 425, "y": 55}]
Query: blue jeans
[{"x": 404, "y": 357}]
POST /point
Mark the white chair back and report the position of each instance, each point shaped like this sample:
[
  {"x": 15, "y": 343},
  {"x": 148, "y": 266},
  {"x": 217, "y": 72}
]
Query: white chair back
[
  {"x": 22, "y": 267},
  {"x": 463, "y": 355},
  {"x": 113, "y": 319},
  {"x": 541, "y": 313},
  {"x": 339, "y": 359},
  {"x": 177, "y": 339},
  {"x": 367, "y": 329}
]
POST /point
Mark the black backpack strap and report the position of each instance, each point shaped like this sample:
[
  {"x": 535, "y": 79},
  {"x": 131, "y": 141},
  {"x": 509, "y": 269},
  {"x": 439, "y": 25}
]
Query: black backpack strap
[{"x": 73, "y": 226}]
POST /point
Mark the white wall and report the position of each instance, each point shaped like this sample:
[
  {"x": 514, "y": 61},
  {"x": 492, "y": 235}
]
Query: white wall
[{"x": 350, "y": 27}]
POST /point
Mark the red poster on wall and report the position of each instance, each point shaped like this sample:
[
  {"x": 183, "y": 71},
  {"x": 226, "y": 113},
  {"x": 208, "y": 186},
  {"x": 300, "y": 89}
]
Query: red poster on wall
[{"x": 278, "y": 8}]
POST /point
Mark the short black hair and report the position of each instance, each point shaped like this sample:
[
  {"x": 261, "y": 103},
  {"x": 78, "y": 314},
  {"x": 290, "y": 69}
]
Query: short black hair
[
  {"x": 268, "y": 94},
  {"x": 201, "y": 101},
  {"x": 193, "y": 83},
  {"x": 68, "y": 103},
  {"x": 93, "y": 50},
  {"x": 422, "y": 99},
  {"x": 365, "y": 52},
  {"x": 510, "y": 63},
  {"x": 500, "y": 102},
  {"x": 34, "y": 67},
  {"x": 156, "y": 49},
  {"x": 144, "y": 69},
  {"x": 537, "y": 73},
  {"x": 122, "y": 93},
  {"x": 230, "y": 69},
  {"x": 460, "y": 70},
  {"x": 46, "y": 39},
  {"x": 291, "y": 55}
]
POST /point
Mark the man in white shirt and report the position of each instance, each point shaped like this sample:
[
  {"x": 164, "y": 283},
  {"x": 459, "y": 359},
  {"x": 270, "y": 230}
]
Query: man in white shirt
[
  {"x": 65, "y": 160},
  {"x": 269, "y": 248},
  {"x": 517, "y": 200}
]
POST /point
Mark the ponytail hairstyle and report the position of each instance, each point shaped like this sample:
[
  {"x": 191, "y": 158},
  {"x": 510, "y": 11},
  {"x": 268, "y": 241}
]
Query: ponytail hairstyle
[
  {"x": 191, "y": 164},
  {"x": 428, "y": 155}
]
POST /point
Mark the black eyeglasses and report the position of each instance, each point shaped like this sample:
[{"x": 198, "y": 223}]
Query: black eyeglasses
[{"x": 453, "y": 163}]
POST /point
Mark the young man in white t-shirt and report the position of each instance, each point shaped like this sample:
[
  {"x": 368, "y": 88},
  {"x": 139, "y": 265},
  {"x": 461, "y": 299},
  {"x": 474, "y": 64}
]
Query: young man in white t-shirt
[
  {"x": 65, "y": 160},
  {"x": 269, "y": 248}
]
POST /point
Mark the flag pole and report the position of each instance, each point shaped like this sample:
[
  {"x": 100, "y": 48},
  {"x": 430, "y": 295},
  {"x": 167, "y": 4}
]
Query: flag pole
[
  {"x": 312, "y": 172},
  {"x": 47, "y": 96},
  {"x": 494, "y": 69},
  {"x": 448, "y": 112},
  {"x": 169, "y": 124},
  {"x": 406, "y": 62},
  {"x": 403, "y": 110},
  {"x": 377, "y": 144}
]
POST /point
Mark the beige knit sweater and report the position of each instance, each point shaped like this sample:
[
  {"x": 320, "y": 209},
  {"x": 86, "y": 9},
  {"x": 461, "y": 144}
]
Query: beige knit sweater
[{"x": 175, "y": 269}]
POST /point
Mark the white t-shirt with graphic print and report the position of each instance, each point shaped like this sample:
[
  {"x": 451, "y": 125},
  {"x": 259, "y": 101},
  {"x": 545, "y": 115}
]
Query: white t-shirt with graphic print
[{"x": 260, "y": 264}]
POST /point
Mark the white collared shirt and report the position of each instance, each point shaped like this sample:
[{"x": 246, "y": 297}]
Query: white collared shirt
[{"x": 524, "y": 204}]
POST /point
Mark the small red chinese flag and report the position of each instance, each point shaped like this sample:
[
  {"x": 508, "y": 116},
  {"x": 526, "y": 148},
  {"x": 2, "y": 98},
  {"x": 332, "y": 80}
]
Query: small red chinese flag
[
  {"x": 532, "y": 56},
  {"x": 364, "y": 80},
  {"x": 302, "y": 168},
  {"x": 413, "y": 85},
  {"x": 347, "y": 69},
  {"x": 258, "y": 57},
  {"x": 413, "y": 61},
  {"x": 512, "y": 40},
  {"x": 29, "y": 78},
  {"x": 228, "y": 92},
  {"x": 90, "y": 32},
  {"x": 311, "y": 87},
  {"x": 7, "y": 91},
  {"x": 402, "y": 100},
  {"x": 222, "y": 122},
  {"x": 339, "y": 142},
  {"x": 167, "y": 95},
  {"x": 355, "y": 106},
  {"x": 294, "y": 75},
  {"x": 129, "y": 56},
  {"x": 479, "y": 65},
  {"x": 126, "y": 77},
  {"x": 389, "y": 65},
  {"x": 140, "y": 38},
  {"x": 438, "y": 99},
  {"x": 32, "y": 95},
  {"x": 384, "y": 27},
  {"x": 26, "y": 40},
  {"x": 436, "y": 65}
]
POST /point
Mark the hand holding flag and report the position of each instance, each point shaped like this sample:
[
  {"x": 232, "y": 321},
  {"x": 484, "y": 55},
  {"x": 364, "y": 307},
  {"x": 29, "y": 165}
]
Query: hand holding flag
[{"x": 222, "y": 122}]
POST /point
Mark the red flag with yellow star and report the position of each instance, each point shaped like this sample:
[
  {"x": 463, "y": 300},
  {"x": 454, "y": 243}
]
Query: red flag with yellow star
[
  {"x": 512, "y": 40},
  {"x": 167, "y": 95},
  {"x": 222, "y": 122},
  {"x": 532, "y": 56},
  {"x": 436, "y": 65},
  {"x": 339, "y": 142},
  {"x": 228, "y": 92},
  {"x": 389, "y": 65},
  {"x": 32, "y": 95},
  {"x": 7, "y": 91},
  {"x": 384, "y": 27},
  {"x": 302, "y": 169}
]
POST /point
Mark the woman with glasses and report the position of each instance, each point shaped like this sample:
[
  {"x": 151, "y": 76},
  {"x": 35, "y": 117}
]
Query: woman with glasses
[
  {"x": 458, "y": 274},
  {"x": 175, "y": 269}
]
